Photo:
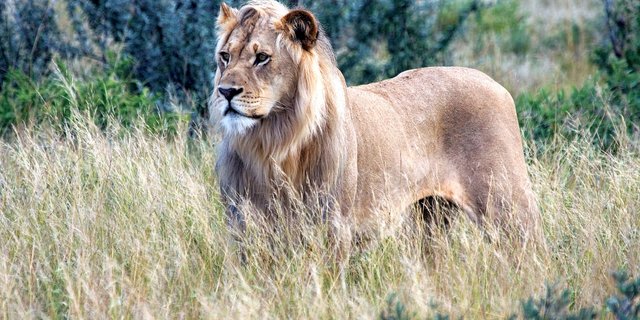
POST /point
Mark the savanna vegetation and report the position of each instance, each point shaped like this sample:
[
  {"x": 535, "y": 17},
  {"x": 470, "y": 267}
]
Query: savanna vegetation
[{"x": 109, "y": 206}]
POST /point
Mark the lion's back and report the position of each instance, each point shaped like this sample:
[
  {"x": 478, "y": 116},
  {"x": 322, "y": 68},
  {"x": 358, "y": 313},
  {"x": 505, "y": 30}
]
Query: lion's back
[
  {"x": 438, "y": 85},
  {"x": 439, "y": 102}
]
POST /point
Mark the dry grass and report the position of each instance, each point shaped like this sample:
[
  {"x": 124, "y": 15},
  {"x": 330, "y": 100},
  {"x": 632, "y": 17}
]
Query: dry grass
[{"x": 127, "y": 225}]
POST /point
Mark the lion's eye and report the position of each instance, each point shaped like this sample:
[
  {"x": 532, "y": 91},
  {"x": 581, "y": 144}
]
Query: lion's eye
[
  {"x": 262, "y": 58},
  {"x": 225, "y": 57}
]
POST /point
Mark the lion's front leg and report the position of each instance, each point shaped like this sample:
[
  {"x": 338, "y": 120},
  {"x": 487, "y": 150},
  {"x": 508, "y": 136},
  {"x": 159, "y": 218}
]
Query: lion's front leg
[
  {"x": 236, "y": 228},
  {"x": 340, "y": 238},
  {"x": 336, "y": 207},
  {"x": 235, "y": 220}
]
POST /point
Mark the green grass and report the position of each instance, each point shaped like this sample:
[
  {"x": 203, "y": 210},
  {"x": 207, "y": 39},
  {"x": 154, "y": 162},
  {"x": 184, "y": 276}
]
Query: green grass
[
  {"x": 125, "y": 224},
  {"x": 108, "y": 96}
]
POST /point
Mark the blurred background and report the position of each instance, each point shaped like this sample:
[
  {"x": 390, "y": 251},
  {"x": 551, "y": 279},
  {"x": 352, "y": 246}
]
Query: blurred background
[{"x": 571, "y": 65}]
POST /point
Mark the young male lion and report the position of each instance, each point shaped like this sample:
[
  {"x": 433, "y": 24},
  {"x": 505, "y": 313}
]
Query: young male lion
[{"x": 289, "y": 121}]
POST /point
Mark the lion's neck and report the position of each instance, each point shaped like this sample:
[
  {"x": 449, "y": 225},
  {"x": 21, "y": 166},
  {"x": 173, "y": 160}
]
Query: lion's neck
[{"x": 300, "y": 144}]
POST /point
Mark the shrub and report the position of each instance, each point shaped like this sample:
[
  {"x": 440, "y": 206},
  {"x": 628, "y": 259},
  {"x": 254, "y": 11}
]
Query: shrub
[
  {"x": 172, "y": 42},
  {"x": 605, "y": 105},
  {"x": 29, "y": 37},
  {"x": 585, "y": 109},
  {"x": 503, "y": 18},
  {"x": 555, "y": 304},
  {"x": 389, "y": 37},
  {"x": 105, "y": 97},
  {"x": 627, "y": 306},
  {"x": 618, "y": 59},
  {"x": 395, "y": 310}
]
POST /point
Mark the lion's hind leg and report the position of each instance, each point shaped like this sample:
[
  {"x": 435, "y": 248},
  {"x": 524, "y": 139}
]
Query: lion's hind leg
[{"x": 505, "y": 211}]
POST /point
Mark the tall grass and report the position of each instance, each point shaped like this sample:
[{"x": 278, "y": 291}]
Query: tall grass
[{"x": 124, "y": 224}]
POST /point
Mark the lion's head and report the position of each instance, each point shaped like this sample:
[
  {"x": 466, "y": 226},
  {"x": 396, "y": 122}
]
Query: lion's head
[{"x": 269, "y": 61}]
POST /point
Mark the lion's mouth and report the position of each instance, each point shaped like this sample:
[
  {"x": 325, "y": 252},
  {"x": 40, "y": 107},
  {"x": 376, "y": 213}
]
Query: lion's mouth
[
  {"x": 233, "y": 112},
  {"x": 230, "y": 111}
]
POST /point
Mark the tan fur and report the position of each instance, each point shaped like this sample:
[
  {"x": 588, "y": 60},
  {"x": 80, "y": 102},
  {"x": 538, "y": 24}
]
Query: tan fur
[{"x": 447, "y": 132}]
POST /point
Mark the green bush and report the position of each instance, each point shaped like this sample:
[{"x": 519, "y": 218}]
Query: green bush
[
  {"x": 558, "y": 304},
  {"x": 395, "y": 310},
  {"x": 627, "y": 306},
  {"x": 29, "y": 37},
  {"x": 606, "y": 106},
  {"x": 555, "y": 304},
  {"x": 586, "y": 109},
  {"x": 389, "y": 37},
  {"x": 619, "y": 59},
  {"x": 106, "y": 96},
  {"x": 503, "y": 18}
]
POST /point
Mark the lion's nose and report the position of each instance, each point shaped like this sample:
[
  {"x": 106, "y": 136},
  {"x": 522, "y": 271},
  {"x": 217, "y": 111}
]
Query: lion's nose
[{"x": 229, "y": 93}]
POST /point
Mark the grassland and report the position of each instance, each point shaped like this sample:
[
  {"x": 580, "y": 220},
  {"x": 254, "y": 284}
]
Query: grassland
[{"x": 123, "y": 224}]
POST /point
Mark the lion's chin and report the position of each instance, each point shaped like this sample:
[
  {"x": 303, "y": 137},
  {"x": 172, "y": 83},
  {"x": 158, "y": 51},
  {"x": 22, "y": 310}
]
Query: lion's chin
[{"x": 235, "y": 124}]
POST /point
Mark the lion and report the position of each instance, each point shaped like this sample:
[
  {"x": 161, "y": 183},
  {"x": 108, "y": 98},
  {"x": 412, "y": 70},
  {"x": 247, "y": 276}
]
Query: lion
[{"x": 287, "y": 118}]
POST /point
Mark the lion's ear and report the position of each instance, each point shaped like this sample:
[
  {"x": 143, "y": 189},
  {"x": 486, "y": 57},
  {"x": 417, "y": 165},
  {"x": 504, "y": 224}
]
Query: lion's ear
[
  {"x": 227, "y": 16},
  {"x": 301, "y": 26}
]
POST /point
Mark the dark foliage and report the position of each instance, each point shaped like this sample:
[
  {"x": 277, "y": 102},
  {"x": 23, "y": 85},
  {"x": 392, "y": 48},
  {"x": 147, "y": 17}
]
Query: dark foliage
[
  {"x": 29, "y": 37},
  {"x": 385, "y": 38},
  {"x": 395, "y": 310},
  {"x": 556, "y": 304},
  {"x": 619, "y": 57},
  {"x": 172, "y": 42},
  {"x": 627, "y": 306}
]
